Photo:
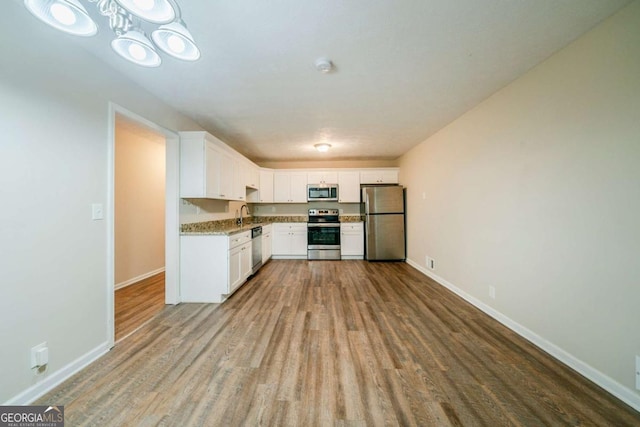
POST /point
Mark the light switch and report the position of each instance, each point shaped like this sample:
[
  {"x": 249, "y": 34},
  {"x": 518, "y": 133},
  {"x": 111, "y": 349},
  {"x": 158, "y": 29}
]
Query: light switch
[{"x": 97, "y": 212}]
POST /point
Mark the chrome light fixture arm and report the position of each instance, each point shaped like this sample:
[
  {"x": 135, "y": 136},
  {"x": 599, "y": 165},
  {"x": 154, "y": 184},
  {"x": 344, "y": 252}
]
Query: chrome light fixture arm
[{"x": 120, "y": 21}]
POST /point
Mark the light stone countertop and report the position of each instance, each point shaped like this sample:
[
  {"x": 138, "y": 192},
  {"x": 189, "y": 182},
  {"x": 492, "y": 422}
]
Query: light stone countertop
[{"x": 228, "y": 227}]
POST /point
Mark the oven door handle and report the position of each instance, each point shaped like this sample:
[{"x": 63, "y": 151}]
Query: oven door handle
[{"x": 319, "y": 225}]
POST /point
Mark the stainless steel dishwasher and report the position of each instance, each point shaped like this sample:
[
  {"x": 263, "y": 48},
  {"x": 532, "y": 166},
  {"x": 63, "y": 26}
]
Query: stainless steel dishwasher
[{"x": 256, "y": 249}]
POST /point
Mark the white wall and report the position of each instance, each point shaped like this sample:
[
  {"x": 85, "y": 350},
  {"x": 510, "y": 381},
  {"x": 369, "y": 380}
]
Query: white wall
[
  {"x": 54, "y": 120},
  {"x": 139, "y": 202},
  {"x": 536, "y": 192}
]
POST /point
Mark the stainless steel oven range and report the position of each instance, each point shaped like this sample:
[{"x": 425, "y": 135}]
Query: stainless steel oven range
[{"x": 323, "y": 234}]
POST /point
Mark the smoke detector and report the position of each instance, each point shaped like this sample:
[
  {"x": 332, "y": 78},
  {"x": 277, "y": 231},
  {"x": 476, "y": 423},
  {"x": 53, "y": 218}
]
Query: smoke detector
[{"x": 324, "y": 65}]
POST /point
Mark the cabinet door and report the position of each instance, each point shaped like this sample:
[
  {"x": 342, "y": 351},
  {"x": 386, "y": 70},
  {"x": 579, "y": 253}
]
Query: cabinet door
[
  {"x": 266, "y": 186},
  {"x": 245, "y": 261},
  {"x": 330, "y": 177},
  {"x": 379, "y": 176},
  {"x": 281, "y": 240},
  {"x": 281, "y": 187},
  {"x": 226, "y": 176},
  {"x": 213, "y": 164},
  {"x": 322, "y": 177},
  {"x": 193, "y": 167},
  {"x": 315, "y": 177},
  {"x": 266, "y": 247},
  {"x": 298, "y": 192},
  {"x": 252, "y": 176},
  {"x": 349, "y": 187},
  {"x": 239, "y": 171},
  {"x": 389, "y": 176},
  {"x": 352, "y": 239},
  {"x": 299, "y": 242},
  {"x": 235, "y": 274}
]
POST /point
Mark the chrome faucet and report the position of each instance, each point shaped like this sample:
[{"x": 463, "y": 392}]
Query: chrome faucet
[{"x": 240, "y": 220}]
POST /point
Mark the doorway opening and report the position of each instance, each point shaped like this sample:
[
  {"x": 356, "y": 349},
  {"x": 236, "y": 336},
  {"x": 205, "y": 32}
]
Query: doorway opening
[
  {"x": 139, "y": 224},
  {"x": 131, "y": 259}
]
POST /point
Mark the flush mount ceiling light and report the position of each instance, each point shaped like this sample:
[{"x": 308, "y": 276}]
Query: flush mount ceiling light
[
  {"x": 324, "y": 65},
  {"x": 125, "y": 19},
  {"x": 323, "y": 147}
]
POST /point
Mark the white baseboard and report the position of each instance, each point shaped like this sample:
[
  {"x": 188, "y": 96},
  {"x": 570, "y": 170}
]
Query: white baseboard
[
  {"x": 56, "y": 378},
  {"x": 623, "y": 393},
  {"x": 137, "y": 279}
]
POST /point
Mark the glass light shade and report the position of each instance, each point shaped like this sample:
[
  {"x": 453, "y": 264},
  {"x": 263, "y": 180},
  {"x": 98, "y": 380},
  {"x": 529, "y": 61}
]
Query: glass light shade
[
  {"x": 154, "y": 11},
  {"x": 177, "y": 41},
  {"x": 134, "y": 46},
  {"x": 65, "y": 15},
  {"x": 323, "y": 147}
]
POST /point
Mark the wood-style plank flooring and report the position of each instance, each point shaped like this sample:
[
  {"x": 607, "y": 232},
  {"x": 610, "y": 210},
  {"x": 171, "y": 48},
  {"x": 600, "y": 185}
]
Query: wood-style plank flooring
[
  {"x": 332, "y": 343},
  {"x": 137, "y": 304}
]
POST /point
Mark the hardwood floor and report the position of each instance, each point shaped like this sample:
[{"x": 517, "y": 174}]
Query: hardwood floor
[
  {"x": 332, "y": 343},
  {"x": 137, "y": 304}
]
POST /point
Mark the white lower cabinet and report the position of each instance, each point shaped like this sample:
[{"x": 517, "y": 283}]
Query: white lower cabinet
[
  {"x": 352, "y": 240},
  {"x": 212, "y": 267},
  {"x": 289, "y": 240},
  {"x": 266, "y": 243}
]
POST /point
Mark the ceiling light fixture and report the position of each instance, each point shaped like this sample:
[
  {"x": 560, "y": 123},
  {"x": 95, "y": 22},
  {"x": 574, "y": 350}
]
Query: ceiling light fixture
[
  {"x": 323, "y": 147},
  {"x": 125, "y": 18},
  {"x": 65, "y": 15},
  {"x": 324, "y": 65}
]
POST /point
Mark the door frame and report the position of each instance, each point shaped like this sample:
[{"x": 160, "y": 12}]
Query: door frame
[{"x": 172, "y": 212}]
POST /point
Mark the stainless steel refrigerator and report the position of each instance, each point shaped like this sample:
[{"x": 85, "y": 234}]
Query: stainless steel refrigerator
[{"x": 383, "y": 209}]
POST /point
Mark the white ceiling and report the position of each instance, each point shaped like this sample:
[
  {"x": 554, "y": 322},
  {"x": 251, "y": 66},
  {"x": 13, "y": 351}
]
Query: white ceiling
[{"x": 405, "y": 68}]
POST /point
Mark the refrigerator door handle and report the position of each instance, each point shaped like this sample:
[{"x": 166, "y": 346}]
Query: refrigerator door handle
[{"x": 366, "y": 202}]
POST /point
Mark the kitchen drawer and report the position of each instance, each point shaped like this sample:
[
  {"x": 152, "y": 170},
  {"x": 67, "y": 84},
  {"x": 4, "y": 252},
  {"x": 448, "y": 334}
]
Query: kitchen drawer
[
  {"x": 352, "y": 226},
  {"x": 239, "y": 239}
]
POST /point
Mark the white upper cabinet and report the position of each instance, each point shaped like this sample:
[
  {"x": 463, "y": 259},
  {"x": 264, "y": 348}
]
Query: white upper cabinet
[
  {"x": 251, "y": 176},
  {"x": 206, "y": 169},
  {"x": 349, "y": 187},
  {"x": 239, "y": 172},
  {"x": 266, "y": 186},
  {"x": 210, "y": 169},
  {"x": 289, "y": 187},
  {"x": 322, "y": 177},
  {"x": 379, "y": 176}
]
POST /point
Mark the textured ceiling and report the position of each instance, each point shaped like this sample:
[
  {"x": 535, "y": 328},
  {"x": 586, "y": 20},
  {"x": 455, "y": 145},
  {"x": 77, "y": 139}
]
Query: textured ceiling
[{"x": 404, "y": 69}]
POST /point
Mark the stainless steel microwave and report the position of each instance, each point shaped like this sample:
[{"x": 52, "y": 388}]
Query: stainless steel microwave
[{"x": 322, "y": 192}]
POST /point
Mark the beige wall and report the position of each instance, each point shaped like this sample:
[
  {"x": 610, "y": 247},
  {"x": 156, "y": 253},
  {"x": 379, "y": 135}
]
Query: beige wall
[
  {"x": 139, "y": 201},
  {"x": 536, "y": 192}
]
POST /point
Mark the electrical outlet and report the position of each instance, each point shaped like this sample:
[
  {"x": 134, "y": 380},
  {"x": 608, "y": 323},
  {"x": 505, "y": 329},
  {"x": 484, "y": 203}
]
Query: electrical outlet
[
  {"x": 637, "y": 372},
  {"x": 39, "y": 355},
  {"x": 432, "y": 264},
  {"x": 492, "y": 292}
]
